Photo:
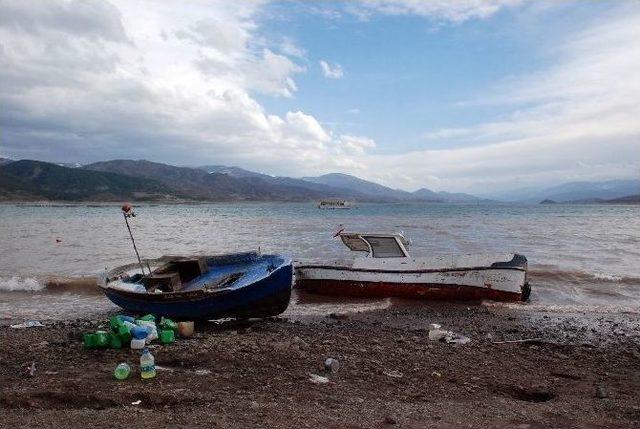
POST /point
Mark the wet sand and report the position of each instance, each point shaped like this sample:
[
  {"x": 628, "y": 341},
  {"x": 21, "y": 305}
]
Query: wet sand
[{"x": 583, "y": 371}]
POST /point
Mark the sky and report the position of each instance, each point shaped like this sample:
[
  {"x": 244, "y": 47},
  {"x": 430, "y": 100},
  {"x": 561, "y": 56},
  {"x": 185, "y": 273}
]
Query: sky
[{"x": 468, "y": 96}]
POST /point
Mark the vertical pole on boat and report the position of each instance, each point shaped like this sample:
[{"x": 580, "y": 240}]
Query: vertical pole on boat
[{"x": 126, "y": 212}]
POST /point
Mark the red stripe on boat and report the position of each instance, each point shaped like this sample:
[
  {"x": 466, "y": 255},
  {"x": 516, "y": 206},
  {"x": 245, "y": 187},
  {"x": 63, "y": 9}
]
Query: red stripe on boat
[{"x": 405, "y": 290}]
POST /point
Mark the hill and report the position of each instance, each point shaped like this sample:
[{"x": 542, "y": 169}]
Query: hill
[
  {"x": 141, "y": 179},
  {"x": 574, "y": 191},
  {"x": 361, "y": 186},
  {"x": 221, "y": 185},
  {"x": 231, "y": 171},
  {"x": 374, "y": 189},
  {"x": 630, "y": 199},
  {"x": 29, "y": 180}
]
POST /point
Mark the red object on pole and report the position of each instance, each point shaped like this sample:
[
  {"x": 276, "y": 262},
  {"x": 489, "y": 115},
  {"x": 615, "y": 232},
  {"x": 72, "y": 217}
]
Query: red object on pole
[{"x": 127, "y": 211}]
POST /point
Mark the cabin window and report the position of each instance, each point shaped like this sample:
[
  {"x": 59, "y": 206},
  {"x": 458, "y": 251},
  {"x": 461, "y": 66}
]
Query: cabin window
[{"x": 385, "y": 247}]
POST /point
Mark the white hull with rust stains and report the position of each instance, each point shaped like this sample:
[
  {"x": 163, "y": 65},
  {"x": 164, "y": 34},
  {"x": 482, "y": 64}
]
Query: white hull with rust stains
[{"x": 465, "y": 277}]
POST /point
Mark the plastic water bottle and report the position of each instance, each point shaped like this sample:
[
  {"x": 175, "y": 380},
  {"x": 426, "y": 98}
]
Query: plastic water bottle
[
  {"x": 147, "y": 364},
  {"x": 122, "y": 371}
]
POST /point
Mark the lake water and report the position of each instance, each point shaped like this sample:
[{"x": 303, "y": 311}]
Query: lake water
[{"x": 583, "y": 257}]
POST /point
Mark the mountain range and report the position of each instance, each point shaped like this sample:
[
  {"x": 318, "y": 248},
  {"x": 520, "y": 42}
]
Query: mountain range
[
  {"x": 145, "y": 180},
  {"x": 574, "y": 192},
  {"x": 119, "y": 180}
]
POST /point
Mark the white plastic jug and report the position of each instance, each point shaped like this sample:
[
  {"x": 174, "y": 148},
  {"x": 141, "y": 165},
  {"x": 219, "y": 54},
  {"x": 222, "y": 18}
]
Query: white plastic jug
[{"x": 137, "y": 344}]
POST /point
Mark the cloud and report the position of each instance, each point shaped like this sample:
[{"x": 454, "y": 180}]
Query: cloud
[
  {"x": 357, "y": 144},
  {"x": 331, "y": 71},
  {"x": 439, "y": 10},
  {"x": 135, "y": 79},
  {"x": 574, "y": 120},
  {"x": 90, "y": 19},
  {"x": 86, "y": 81}
]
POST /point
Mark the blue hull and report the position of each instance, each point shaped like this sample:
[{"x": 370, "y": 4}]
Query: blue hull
[{"x": 263, "y": 290}]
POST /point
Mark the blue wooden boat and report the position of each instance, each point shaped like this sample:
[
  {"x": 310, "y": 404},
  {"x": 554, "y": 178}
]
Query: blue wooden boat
[{"x": 239, "y": 285}]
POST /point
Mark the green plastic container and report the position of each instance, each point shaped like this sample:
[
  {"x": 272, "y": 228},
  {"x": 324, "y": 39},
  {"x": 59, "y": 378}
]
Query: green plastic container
[
  {"x": 115, "y": 342},
  {"x": 102, "y": 339},
  {"x": 148, "y": 318},
  {"x": 90, "y": 341},
  {"x": 125, "y": 338},
  {"x": 167, "y": 336},
  {"x": 115, "y": 323},
  {"x": 167, "y": 324}
]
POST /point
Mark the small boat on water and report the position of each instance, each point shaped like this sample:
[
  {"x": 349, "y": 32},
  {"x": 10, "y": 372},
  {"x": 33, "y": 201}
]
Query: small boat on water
[
  {"x": 334, "y": 204},
  {"x": 237, "y": 285},
  {"x": 387, "y": 270}
]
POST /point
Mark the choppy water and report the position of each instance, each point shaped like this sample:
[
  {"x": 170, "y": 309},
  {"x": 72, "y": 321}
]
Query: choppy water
[{"x": 582, "y": 257}]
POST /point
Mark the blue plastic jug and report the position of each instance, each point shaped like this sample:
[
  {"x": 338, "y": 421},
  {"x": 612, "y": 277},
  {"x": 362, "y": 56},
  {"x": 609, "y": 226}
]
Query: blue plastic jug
[{"x": 139, "y": 332}]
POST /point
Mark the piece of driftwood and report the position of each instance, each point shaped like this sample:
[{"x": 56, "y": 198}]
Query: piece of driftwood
[{"x": 523, "y": 340}]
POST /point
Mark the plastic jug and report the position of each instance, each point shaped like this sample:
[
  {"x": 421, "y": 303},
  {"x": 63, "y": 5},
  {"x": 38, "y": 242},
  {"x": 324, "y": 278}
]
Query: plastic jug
[
  {"x": 130, "y": 325},
  {"x": 168, "y": 324},
  {"x": 115, "y": 342},
  {"x": 127, "y": 319},
  {"x": 90, "y": 341},
  {"x": 147, "y": 364},
  {"x": 152, "y": 333},
  {"x": 138, "y": 343},
  {"x": 102, "y": 339},
  {"x": 115, "y": 322},
  {"x": 167, "y": 336},
  {"x": 139, "y": 332}
]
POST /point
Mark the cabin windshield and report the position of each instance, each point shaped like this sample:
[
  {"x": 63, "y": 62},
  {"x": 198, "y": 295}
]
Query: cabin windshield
[{"x": 384, "y": 247}]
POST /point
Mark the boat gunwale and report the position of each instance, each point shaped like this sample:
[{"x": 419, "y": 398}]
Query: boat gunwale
[
  {"x": 190, "y": 295},
  {"x": 417, "y": 271}
]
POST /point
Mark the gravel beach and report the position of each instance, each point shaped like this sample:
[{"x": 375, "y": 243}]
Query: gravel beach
[{"x": 580, "y": 370}]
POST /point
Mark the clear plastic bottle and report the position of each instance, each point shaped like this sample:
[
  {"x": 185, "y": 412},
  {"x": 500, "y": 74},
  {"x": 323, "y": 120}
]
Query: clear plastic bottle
[
  {"x": 147, "y": 364},
  {"x": 122, "y": 371}
]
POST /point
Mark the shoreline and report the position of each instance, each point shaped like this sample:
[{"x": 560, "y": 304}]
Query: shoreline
[{"x": 579, "y": 372}]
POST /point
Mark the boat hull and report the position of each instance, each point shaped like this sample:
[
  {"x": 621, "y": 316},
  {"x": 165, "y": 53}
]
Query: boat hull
[
  {"x": 498, "y": 284},
  {"x": 268, "y": 296}
]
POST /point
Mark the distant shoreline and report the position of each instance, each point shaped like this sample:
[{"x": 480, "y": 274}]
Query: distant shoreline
[{"x": 90, "y": 203}]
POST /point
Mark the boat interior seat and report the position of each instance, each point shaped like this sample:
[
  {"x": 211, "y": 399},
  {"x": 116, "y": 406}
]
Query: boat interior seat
[{"x": 175, "y": 275}]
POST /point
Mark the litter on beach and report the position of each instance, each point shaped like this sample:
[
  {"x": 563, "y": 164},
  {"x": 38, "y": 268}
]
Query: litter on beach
[
  {"x": 27, "y": 324},
  {"x": 393, "y": 374},
  {"x": 318, "y": 379},
  {"x": 436, "y": 333}
]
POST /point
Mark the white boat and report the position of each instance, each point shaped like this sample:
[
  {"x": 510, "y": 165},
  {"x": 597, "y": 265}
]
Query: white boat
[
  {"x": 387, "y": 270},
  {"x": 334, "y": 204}
]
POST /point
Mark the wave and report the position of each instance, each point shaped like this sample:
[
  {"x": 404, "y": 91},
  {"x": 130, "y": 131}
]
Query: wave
[
  {"x": 15, "y": 283},
  {"x": 80, "y": 285},
  {"x": 578, "y": 277}
]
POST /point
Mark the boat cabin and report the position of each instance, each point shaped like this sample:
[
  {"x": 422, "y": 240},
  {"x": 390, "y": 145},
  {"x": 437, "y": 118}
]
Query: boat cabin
[{"x": 377, "y": 245}]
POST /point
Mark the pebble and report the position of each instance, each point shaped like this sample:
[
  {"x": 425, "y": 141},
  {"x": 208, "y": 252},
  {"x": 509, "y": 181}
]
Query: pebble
[
  {"x": 331, "y": 364},
  {"x": 601, "y": 393},
  {"x": 338, "y": 316},
  {"x": 390, "y": 420}
]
